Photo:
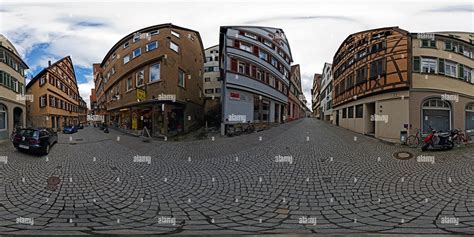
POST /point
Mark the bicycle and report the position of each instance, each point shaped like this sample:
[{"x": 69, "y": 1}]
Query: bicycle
[
  {"x": 461, "y": 137},
  {"x": 414, "y": 141}
]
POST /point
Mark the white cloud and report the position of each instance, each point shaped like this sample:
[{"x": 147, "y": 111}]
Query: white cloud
[
  {"x": 85, "y": 89},
  {"x": 314, "y": 28}
]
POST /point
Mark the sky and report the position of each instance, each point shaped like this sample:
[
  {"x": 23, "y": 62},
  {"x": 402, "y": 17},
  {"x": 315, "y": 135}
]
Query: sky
[{"x": 86, "y": 30}]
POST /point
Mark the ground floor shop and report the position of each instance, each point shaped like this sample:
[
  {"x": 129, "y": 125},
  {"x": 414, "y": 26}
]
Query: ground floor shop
[
  {"x": 247, "y": 107},
  {"x": 160, "y": 119},
  {"x": 55, "y": 121},
  {"x": 12, "y": 115},
  {"x": 394, "y": 116}
]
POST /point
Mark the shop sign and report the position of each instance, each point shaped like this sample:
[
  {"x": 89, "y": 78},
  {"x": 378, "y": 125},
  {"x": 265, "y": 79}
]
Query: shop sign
[
  {"x": 234, "y": 96},
  {"x": 141, "y": 95}
]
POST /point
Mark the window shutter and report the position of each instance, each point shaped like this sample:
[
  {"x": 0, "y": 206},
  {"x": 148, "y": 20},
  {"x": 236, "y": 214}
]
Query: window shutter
[
  {"x": 416, "y": 64},
  {"x": 255, "y": 50},
  {"x": 440, "y": 66},
  {"x": 233, "y": 65},
  {"x": 461, "y": 71}
]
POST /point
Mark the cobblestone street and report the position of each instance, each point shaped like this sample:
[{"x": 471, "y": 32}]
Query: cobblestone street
[{"x": 301, "y": 177}]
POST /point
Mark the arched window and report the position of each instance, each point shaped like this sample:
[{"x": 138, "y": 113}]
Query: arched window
[
  {"x": 437, "y": 114},
  {"x": 470, "y": 117},
  {"x": 3, "y": 117}
]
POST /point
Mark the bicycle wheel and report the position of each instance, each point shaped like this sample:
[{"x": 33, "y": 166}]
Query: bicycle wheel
[
  {"x": 413, "y": 141},
  {"x": 467, "y": 138}
]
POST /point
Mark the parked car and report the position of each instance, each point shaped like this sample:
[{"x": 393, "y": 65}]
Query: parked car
[
  {"x": 70, "y": 129},
  {"x": 37, "y": 140}
]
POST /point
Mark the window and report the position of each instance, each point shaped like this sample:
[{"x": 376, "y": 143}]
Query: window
[
  {"x": 126, "y": 59},
  {"x": 154, "y": 72},
  {"x": 272, "y": 81},
  {"x": 450, "y": 69},
  {"x": 268, "y": 43},
  {"x": 181, "y": 77},
  {"x": 42, "y": 101},
  {"x": 129, "y": 84},
  {"x": 207, "y": 79},
  {"x": 344, "y": 113},
  {"x": 209, "y": 91},
  {"x": 469, "y": 117},
  {"x": 3, "y": 117},
  {"x": 428, "y": 43},
  {"x": 249, "y": 35},
  {"x": 136, "y": 52},
  {"x": 274, "y": 62},
  {"x": 467, "y": 74},
  {"x": 174, "y": 47},
  {"x": 448, "y": 45},
  {"x": 377, "y": 68},
  {"x": 174, "y": 33},
  {"x": 151, "y": 46},
  {"x": 140, "y": 78},
  {"x": 136, "y": 37},
  {"x": 361, "y": 75},
  {"x": 155, "y": 32},
  {"x": 259, "y": 74},
  {"x": 428, "y": 65},
  {"x": 350, "y": 112},
  {"x": 437, "y": 114},
  {"x": 241, "y": 68},
  {"x": 42, "y": 80},
  {"x": 263, "y": 55},
  {"x": 246, "y": 47},
  {"x": 359, "y": 111},
  {"x": 218, "y": 90},
  {"x": 349, "y": 82},
  {"x": 126, "y": 45}
]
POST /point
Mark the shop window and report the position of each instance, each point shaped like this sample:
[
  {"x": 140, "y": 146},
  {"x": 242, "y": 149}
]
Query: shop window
[
  {"x": 359, "y": 111},
  {"x": 350, "y": 112},
  {"x": 470, "y": 117},
  {"x": 436, "y": 113}
]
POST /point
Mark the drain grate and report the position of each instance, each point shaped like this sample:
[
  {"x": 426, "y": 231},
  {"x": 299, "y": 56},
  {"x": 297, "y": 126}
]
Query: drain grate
[
  {"x": 53, "y": 182},
  {"x": 403, "y": 155}
]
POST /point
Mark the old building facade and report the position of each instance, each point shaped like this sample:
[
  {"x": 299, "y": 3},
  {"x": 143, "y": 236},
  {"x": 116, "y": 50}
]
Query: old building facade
[
  {"x": 56, "y": 96},
  {"x": 255, "y": 68},
  {"x": 326, "y": 93},
  {"x": 153, "y": 78},
  {"x": 12, "y": 89},
  {"x": 315, "y": 96},
  {"x": 296, "y": 107}
]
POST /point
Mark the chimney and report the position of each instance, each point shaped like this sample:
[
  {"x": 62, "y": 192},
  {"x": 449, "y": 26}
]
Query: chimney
[{"x": 49, "y": 63}]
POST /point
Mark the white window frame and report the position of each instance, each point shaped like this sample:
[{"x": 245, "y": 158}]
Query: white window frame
[
  {"x": 139, "y": 52},
  {"x": 155, "y": 32},
  {"x": 263, "y": 53},
  {"x": 450, "y": 69},
  {"x": 172, "y": 45},
  {"x": 126, "y": 44},
  {"x": 137, "y": 74},
  {"x": 129, "y": 86},
  {"x": 155, "y": 43},
  {"x": 175, "y": 34},
  {"x": 150, "y": 73},
  {"x": 181, "y": 72},
  {"x": 239, "y": 64},
  {"x": 245, "y": 47},
  {"x": 428, "y": 63},
  {"x": 126, "y": 59},
  {"x": 250, "y": 35}
]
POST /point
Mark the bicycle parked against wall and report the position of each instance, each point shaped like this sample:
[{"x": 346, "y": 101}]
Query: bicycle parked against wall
[
  {"x": 415, "y": 140},
  {"x": 239, "y": 129},
  {"x": 461, "y": 137}
]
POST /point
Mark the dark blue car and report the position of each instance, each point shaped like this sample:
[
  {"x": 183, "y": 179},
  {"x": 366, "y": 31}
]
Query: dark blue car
[{"x": 70, "y": 129}]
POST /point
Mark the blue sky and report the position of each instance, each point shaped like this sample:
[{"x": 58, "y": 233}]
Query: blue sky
[{"x": 50, "y": 30}]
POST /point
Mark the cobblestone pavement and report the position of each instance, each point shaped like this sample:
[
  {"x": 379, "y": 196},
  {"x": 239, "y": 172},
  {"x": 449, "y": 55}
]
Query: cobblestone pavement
[{"x": 302, "y": 177}]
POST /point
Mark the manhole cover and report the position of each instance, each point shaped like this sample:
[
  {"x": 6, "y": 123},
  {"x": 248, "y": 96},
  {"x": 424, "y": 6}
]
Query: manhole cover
[
  {"x": 53, "y": 182},
  {"x": 403, "y": 155}
]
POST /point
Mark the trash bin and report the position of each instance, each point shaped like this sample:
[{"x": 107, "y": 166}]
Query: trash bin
[{"x": 403, "y": 137}]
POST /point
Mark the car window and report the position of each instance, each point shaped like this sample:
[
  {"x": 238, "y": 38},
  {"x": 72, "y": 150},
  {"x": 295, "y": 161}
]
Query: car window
[
  {"x": 28, "y": 133},
  {"x": 44, "y": 133}
]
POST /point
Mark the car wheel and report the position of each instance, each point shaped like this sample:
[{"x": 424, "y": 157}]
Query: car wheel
[{"x": 46, "y": 149}]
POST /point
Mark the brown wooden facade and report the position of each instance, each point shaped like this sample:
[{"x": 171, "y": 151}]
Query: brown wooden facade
[{"x": 371, "y": 62}]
